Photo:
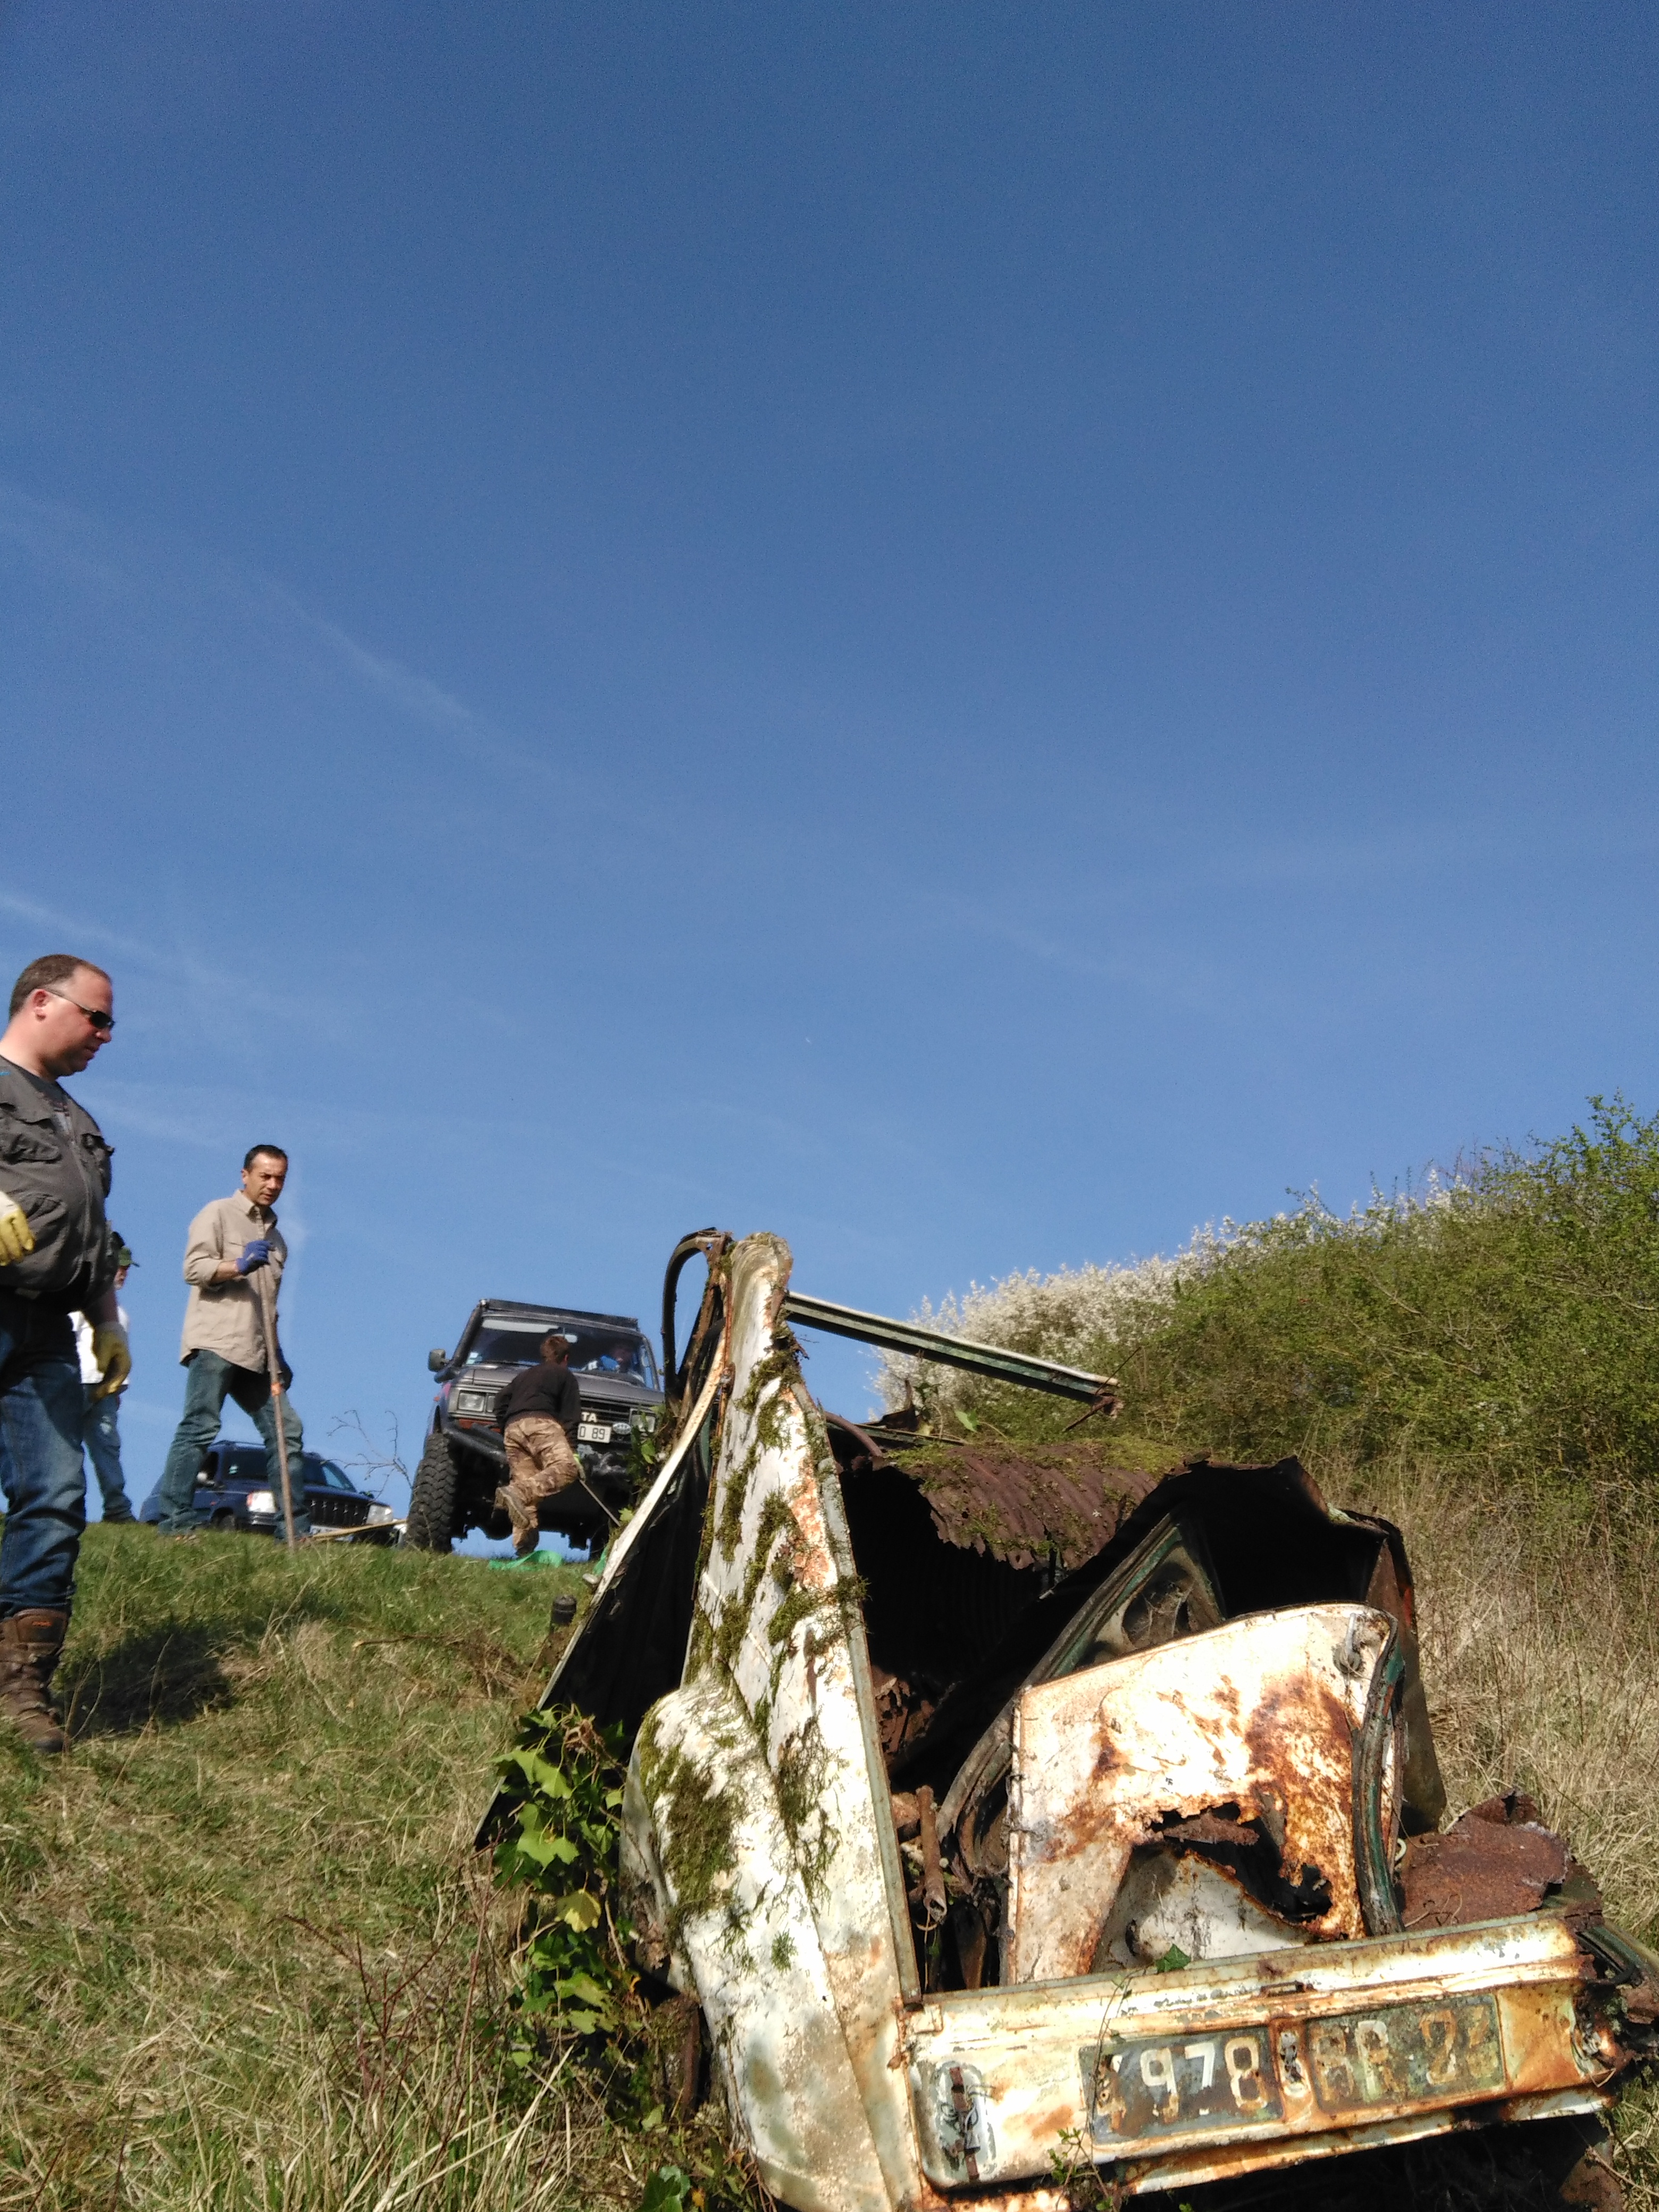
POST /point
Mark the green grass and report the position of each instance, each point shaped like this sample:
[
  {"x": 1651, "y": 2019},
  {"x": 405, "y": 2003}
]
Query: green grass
[
  {"x": 248, "y": 1956},
  {"x": 1479, "y": 1361},
  {"x": 249, "y": 1963},
  {"x": 1502, "y": 1324}
]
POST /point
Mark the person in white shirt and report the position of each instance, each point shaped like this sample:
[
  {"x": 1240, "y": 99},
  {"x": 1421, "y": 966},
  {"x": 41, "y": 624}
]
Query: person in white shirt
[{"x": 100, "y": 1433}]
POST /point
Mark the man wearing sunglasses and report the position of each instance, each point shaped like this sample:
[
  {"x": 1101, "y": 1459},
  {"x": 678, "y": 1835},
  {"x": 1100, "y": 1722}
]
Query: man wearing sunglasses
[{"x": 58, "y": 1256}]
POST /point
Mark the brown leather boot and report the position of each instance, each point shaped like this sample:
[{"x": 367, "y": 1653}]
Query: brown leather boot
[
  {"x": 29, "y": 1645},
  {"x": 526, "y": 1528}
]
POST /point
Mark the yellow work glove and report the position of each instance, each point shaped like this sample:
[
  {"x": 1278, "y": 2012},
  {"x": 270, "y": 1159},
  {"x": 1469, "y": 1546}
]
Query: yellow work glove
[
  {"x": 112, "y": 1352},
  {"x": 16, "y": 1238}
]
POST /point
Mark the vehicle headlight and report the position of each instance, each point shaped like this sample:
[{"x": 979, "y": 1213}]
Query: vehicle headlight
[
  {"x": 645, "y": 1417},
  {"x": 472, "y": 1402},
  {"x": 261, "y": 1501},
  {"x": 377, "y": 1514}
]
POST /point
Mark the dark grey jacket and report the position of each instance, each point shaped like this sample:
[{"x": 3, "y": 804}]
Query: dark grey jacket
[
  {"x": 550, "y": 1389},
  {"x": 61, "y": 1183}
]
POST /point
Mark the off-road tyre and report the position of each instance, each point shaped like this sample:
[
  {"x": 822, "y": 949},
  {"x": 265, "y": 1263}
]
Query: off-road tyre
[{"x": 432, "y": 1498}]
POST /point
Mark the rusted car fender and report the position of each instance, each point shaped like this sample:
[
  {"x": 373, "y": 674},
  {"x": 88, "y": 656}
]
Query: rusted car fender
[
  {"x": 751, "y": 1814},
  {"x": 705, "y": 1835}
]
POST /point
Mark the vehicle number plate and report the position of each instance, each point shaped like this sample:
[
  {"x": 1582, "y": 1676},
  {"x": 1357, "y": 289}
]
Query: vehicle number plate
[
  {"x": 1397, "y": 2055},
  {"x": 592, "y": 1433},
  {"x": 1406, "y": 2054},
  {"x": 1150, "y": 2088}
]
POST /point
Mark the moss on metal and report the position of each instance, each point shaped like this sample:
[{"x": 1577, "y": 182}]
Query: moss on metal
[
  {"x": 779, "y": 1368},
  {"x": 694, "y": 1822},
  {"x": 802, "y": 1780}
]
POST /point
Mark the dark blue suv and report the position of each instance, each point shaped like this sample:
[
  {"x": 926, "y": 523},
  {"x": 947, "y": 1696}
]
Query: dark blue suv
[{"x": 236, "y": 1490}]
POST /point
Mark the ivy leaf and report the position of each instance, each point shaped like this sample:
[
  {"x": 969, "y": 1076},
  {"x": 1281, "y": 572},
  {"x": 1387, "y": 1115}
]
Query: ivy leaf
[
  {"x": 541, "y": 1850},
  {"x": 578, "y": 1910},
  {"x": 666, "y": 2191}
]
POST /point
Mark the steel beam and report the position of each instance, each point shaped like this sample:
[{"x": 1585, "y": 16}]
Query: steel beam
[{"x": 990, "y": 1360}]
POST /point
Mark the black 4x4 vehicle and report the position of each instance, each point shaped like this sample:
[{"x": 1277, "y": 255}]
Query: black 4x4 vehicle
[
  {"x": 465, "y": 1461},
  {"x": 237, "y": 1488}
]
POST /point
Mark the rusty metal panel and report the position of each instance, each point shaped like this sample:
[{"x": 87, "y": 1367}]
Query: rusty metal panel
[
  {"x": 745, "y": 1939},
  {"x": 1481, "y": 1868},
  {"x": 1223, "y": 2063},
  {"x": 1259, "y": 1716},
  {"x": 1226, "y": 2162},
  {"x": 775, "y": 1624},
  {"x": 1027, "y": 1502}
]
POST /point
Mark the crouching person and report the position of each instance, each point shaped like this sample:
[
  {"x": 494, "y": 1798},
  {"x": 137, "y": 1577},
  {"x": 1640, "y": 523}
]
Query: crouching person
[{"x": 538, "y": 1412}]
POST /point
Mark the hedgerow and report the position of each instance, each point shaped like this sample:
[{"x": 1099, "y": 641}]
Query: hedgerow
[{"x": 1503, "y": 1320}]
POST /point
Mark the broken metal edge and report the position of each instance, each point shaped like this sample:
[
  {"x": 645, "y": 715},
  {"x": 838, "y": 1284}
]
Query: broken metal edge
[
  {"x": 485, "y": 1834},
  {"x": 892, "y": 1873},
  {"x": 1161, "y": 2175}
]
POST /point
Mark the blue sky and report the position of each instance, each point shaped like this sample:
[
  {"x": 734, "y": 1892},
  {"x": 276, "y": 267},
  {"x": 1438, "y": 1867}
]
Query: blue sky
[{"x": 975, "y": 635}]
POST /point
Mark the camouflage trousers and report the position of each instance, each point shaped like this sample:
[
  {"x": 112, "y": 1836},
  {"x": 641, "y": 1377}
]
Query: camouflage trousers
[{"x": 540, "y": 1460}]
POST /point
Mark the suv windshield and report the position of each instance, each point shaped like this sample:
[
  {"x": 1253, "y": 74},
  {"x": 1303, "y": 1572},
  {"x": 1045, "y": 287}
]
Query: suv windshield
[{"x": 596, "y": 1352}]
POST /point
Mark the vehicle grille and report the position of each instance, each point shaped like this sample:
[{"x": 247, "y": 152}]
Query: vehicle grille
[
  {"x": 336, "y": 1512},
  {"x": 616, "y": 1416}
]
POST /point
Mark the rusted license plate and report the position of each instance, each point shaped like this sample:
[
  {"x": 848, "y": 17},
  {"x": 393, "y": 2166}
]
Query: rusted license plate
[
  {"x": 1148, "y": 2088},
  {"x": 1405, "y": 2054},
  {"x": 1392, "y": 2055}
]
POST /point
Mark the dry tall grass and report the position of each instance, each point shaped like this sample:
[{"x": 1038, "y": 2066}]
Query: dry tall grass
[{"x": 1540, "y": 1653}]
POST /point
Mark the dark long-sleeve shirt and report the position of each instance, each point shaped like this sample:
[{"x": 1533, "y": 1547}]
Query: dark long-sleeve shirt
[{"x": 550, "y": 1389}]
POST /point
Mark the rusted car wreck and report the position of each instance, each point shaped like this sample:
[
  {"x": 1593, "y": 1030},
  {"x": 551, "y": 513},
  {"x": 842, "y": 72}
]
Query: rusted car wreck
[{"x": 1005, "y": 1813}]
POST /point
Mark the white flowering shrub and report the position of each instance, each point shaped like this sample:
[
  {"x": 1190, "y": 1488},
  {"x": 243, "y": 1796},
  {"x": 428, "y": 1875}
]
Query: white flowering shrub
[
  {"x": 1065, "y": 1316},
  {"x": 1087, "y": 1315}
]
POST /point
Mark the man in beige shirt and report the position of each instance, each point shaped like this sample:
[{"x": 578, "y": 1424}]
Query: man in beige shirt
[{"x": 233, "y": 1242}]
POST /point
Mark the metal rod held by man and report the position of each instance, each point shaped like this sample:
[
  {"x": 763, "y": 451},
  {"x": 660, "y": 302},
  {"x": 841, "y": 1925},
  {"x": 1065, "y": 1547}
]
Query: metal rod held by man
[{"x": 273, "y": 1361}]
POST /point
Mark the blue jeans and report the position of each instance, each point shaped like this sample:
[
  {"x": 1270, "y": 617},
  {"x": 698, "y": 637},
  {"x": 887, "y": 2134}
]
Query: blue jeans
[
  {"x": 42, "y": 1408},
  {"x": 100, "y": 1434},
  {"x": 210, "y": 1379}
]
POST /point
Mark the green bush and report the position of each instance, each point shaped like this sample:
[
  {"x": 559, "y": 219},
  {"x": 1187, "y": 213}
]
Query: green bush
[{"x": 1504, "y": 1320}]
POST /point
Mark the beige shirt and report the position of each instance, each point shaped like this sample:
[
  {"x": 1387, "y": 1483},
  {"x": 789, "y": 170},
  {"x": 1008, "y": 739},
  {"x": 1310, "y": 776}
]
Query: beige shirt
[{"x": 224, "y": 1317}]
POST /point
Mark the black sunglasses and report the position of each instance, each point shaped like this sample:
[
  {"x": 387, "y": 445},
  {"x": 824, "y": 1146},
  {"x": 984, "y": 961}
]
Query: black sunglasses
[{"x": 99, "y": 1017}]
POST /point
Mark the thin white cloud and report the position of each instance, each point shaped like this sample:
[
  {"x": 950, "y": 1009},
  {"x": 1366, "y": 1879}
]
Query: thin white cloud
[
  {"x": 175, "y": 581},
  {"x": 404, "y": 687},
  {"x": 86, "y": 932},
  {"x": 91, "y": 553}
]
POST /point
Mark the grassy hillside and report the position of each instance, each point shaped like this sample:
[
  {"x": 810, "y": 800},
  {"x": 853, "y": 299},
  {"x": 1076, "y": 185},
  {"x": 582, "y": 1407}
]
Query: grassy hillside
[
  {"x": 1502, "y": 1324},
  {"x": 248, "y": 1959},
  {"x": 247, "y": 1956},
  {"x": 1477, "y": 1360}
]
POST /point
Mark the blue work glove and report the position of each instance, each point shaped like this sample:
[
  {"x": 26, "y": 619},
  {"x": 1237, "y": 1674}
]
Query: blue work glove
[{"x": 253, "y": 1255}]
